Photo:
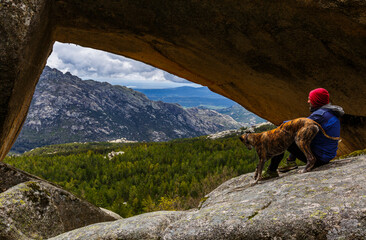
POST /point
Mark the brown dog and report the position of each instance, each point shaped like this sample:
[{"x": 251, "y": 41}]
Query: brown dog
[{"x": 274, "y": 142}]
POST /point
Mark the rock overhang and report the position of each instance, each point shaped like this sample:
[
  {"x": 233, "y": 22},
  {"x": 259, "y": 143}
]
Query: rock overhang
[{"x": 265, "y": 56}]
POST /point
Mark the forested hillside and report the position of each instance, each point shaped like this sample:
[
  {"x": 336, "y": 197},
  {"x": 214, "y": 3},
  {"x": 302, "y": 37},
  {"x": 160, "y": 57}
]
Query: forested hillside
[{"x": 147, "y": 177}]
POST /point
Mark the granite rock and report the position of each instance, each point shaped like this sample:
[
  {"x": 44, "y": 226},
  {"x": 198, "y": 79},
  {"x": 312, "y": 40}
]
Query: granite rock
[
  {"x": 31, "y": 208},
  {"x": 141, "y": 227}
]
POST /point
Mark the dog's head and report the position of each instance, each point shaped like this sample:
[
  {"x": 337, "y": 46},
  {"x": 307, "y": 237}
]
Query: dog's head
[{"x": 245, "y": 138}]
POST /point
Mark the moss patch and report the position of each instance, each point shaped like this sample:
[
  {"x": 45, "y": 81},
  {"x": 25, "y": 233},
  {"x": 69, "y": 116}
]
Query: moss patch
[
  {"x": 354, "y": 154},
  {"x": 203, "y": 200}
]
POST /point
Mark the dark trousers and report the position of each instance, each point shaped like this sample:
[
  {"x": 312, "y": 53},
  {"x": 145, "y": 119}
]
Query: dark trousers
[{"x": 295, "y": 152}]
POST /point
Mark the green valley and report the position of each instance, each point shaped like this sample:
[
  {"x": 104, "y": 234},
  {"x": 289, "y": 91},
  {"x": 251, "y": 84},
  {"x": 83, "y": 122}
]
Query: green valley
[{"x": 147, "y": 177}]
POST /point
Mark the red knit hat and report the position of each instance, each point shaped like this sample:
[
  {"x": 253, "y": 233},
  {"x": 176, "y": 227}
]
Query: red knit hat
[{"x": 319, "y": 97}]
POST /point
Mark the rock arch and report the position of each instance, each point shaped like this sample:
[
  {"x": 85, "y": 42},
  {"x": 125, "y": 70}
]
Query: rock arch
[{"x": 264, "y": 55}]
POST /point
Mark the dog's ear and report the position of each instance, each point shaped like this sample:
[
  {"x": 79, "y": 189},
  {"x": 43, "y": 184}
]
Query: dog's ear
[{"x": 244, "y": 139}]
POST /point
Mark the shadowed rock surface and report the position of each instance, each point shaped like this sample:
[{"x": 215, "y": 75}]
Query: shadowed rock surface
[
  {"x": 328, "y": 203},
  {"x": 265, "y": 55},
  {"x": 36, "y": 209}
]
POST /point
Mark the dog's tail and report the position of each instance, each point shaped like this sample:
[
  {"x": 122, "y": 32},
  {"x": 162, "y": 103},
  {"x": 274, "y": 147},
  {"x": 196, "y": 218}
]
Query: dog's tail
[{"x": 326, "y": 135}]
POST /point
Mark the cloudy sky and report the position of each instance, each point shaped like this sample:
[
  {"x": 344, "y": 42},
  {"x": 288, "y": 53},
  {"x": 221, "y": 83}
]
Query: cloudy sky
[{"x": 88, "y": 63}]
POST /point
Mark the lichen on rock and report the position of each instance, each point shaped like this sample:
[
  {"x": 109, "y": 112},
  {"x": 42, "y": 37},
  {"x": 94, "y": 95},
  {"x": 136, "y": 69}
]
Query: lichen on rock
[{"x": 36, "y": 210}]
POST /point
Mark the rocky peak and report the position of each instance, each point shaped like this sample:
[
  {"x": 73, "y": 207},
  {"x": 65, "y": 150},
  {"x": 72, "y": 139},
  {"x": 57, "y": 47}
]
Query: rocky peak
[{"x": 67, "y": 109}]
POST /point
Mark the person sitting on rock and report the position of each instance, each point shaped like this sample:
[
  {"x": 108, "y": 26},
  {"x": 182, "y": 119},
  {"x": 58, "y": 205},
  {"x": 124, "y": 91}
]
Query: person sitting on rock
[{"x": 324, "y": 149}]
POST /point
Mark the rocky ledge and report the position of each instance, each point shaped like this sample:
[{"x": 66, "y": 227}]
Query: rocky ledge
[{"x": 327, "y": 203}]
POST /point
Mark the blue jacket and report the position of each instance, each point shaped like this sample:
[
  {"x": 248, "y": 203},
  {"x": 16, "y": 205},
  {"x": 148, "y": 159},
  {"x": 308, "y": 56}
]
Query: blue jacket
[{"x": 327, "y": 116}]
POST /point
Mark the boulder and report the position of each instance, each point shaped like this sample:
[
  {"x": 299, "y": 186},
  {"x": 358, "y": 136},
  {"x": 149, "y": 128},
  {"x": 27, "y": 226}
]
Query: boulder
[
  {"x": 34, "y": 209},
  {"x": 327, "y": 203},
  {"x": 10, "y": 177},
  {"x": 144, "y": 226}
]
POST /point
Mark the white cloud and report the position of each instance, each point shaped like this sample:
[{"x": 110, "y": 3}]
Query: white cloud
[{"x": 88, "y": 63}]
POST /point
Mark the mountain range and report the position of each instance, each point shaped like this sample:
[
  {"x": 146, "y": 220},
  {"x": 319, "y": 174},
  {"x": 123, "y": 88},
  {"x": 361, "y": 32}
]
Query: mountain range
[
  {"x": 189, "y": 97},
  {"x": 202, "y": 97},
  {"x": 240, "y": 114},
  {"x": 67, "y": 109}
]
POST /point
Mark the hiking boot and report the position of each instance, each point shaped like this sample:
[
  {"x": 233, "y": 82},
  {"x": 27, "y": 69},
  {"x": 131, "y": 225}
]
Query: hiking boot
[
  {"x": 268, "y": 174},
  {"x": 290, "y": 165}
]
